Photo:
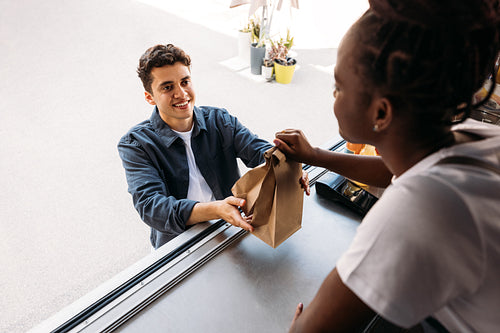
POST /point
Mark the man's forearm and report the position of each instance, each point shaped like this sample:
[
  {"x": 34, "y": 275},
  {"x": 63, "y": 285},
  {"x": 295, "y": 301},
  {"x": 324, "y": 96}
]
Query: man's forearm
[{"x": 203, "y": 211}]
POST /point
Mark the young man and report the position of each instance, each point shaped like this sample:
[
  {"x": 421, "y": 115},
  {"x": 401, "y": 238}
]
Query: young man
[{"x": 181, "y": 163}]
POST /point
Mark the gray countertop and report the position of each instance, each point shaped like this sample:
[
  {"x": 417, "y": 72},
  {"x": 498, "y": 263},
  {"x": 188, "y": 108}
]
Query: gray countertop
[{"x": 251, "y": 287}]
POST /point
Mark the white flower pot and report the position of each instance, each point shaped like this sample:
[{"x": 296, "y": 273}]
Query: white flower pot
[
  {"x": 267, "y": 72},
  {"x": 244, "y": 46}
]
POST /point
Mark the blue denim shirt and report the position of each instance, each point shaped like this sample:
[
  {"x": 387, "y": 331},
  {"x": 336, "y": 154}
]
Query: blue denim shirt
[{"x": 155, "y": 162}]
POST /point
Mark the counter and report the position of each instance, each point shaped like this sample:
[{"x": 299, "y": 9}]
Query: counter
[{"x": 218, "y": 278}]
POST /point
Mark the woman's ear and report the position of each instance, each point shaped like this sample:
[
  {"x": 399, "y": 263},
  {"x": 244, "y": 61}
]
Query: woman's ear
[
  {"x": 149, "y": 98},
  {"x": 382, "y": 116}
]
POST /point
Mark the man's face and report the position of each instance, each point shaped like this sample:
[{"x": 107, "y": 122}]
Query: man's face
[{"x": 173, "y": 94}]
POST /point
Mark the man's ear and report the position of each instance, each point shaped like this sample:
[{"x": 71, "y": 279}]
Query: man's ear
[
  {"x": 383, "y": 114},
  {"x": 149, "y": 98}
]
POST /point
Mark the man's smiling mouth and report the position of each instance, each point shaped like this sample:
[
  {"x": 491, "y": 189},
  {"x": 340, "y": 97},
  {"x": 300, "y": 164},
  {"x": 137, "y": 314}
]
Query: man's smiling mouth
[{"x": 181, "y": 104}]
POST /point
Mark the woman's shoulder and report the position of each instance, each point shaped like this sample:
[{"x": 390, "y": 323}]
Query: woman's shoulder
[
  {"x": 437, "y": 201},
  {"x": 422, "y": 196},
  {"x": 477, "y": 129}
]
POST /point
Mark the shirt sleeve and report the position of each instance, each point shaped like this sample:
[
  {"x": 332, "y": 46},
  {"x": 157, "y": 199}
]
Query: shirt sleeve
[
  {"x": 149, "y": 191},
  {"x": 248, "y": 146},
  {"x": 416, "y": 250}
]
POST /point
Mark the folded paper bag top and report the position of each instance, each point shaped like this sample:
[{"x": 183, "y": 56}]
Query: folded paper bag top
[{"x": 274, "y": 196}]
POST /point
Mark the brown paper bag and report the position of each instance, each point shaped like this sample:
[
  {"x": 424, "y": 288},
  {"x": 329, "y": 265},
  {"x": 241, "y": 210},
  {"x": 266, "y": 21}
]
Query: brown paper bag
[{"x": 274, "y": 196}]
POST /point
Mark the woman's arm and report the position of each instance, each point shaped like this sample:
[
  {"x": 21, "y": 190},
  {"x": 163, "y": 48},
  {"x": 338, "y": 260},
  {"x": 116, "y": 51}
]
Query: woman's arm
[
  {"x": 335, "y": 308},
  {"x": 369, "y": 170}
]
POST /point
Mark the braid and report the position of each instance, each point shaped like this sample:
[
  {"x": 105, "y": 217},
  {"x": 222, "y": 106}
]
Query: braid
[{"x": 429, "y": 56}]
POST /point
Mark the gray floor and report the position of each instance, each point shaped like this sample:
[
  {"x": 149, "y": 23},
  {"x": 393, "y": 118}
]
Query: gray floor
[{"x": 68, "y": 91}]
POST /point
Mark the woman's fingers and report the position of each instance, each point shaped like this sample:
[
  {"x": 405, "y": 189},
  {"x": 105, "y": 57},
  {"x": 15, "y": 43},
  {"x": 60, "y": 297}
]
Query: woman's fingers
[{"x": 298, "y": 311}]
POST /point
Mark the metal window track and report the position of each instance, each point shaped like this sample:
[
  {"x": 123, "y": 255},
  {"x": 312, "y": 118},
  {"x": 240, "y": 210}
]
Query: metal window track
[{"x": 100, "y": 304}]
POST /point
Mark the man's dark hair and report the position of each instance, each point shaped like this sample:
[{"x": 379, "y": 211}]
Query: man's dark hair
[
  {"x": 428, "y": 56},
  {"x": 159, "y": 56}
]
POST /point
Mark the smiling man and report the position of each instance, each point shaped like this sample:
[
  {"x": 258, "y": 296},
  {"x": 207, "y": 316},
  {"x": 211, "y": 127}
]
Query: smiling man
[{"x": 181, "y": 163}]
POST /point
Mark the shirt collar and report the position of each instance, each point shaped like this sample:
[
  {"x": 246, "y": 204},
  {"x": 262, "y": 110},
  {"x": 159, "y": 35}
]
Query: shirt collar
[
  {"x": 199, "y": 122},
  {"x": 168, "y": 134}
]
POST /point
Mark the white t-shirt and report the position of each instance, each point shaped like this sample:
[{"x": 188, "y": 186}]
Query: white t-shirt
[
  {"x": 431, "y": 244},
  {"x": 198, "y": 188}
]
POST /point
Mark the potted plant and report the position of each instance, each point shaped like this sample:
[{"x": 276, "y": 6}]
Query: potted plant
[
  {"x": 258, "y": 47},
  {"x": 284, "y": 66}
]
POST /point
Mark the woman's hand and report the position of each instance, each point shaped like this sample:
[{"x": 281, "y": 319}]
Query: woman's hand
[
  {"x": 298, "y": 311},
  {"x": 294, "y": 144},
  {"x": 335, "y": 308}
]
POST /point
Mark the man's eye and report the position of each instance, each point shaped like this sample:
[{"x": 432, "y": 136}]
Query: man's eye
[
  {"x": 167, "y": 88},
  {"x": 185, "y": 83}
]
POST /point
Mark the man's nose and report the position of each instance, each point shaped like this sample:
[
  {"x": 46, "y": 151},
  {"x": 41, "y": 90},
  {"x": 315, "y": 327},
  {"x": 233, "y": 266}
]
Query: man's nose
[{"x": 179, "y": 91}]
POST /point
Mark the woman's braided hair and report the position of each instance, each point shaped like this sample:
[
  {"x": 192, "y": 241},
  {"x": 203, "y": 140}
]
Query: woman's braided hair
[{"x": 429, "y": 56}]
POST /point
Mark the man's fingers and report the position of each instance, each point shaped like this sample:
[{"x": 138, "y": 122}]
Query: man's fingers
[
  {"x": 246, "y": 226},
  {"x": 231, "y": 214},
  {"x": 238, "y": 202},
  {"x": 249, "y": 227}
]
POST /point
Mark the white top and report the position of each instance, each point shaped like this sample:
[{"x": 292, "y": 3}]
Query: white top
[
  {"x": 198, "y": 188},
  {"x": 431, "y": 244}
]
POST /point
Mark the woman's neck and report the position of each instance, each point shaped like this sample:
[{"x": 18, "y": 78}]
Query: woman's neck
[{"x": 401, "y": 153}]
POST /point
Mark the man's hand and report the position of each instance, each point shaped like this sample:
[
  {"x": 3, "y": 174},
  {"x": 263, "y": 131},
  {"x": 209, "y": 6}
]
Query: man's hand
[
  {"x": 294, "y": 144},
  {"x": 226, "y": 209},
  {"x": 229, "y": 212}
]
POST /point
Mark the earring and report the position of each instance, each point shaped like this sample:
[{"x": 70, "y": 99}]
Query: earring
[{"x": 375, "y": 128}]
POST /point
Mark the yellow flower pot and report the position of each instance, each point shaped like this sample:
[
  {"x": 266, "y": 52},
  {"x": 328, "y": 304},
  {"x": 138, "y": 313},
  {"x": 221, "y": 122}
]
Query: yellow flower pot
[{"x": 284, "y": 74}]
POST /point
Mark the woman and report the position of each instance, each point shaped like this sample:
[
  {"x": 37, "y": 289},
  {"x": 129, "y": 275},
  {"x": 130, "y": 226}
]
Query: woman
[{"x": 429, "y": 248}]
